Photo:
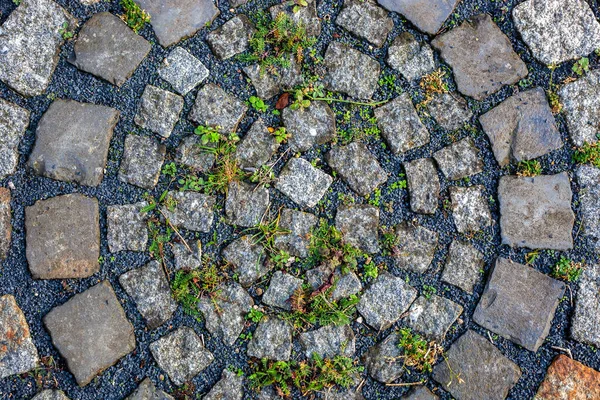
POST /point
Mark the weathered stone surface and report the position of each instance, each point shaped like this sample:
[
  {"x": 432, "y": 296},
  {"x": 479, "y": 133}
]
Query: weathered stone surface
[
  {"x": 586, "y": 320},
  {"x": 174, "y": 20},
  {"x": 159, "y": 110},
  {"x": 13, "y": 123},
  {"x": 225, "y": 315},
  {"x": 305, "y": 16},
  {"x": 433, "y": 316},
  {"x": 459, "y": 160},
  {"x": 589, "y": 198},
  {"x": 581, "y": 107},
  {"x": 231, "y": 38},
  {"x": 147, "y": 391},
  {"x": 423, "y": 185},
  {"x": 50, "y": 395},
  {"x": 18, "y": 354},
  {"x": 427, "y": 15},
  {"x": 5, "y": 223},
  {"x": 127, "y": 228},
  {"x": 522, "y": 127},
  {"x": 383, "y": 362},
  {"x": 309, "y": 126},
  {"x": 536, "y": 212},
  {"x": 193, "y": 211},
  {"x": 268, "y": 85},
  {"x": 557, "y": 31},
  {"x": 415, "y": 248},
  {"x": 142, "y": 161},
  {"x": 191, "y": 154},
  {"x": 420, "y": 393},
  {"x": 181, "y": 355},
  {"x": 186, "y": 260},
  {"x": 248, "y": 259},
  {"x": 257, "y": 146},
  {"x": 328, "y": 341},
  {"x": 518, "y": 303},
  {"x": 344, "y": 285},
  {"x": 400, "y": 125},
  {"x": 484, "y": 372},
  {"x": 411, "y": 58},
  {"x": 272, "y": 339},
  {"x": 182, "y": 70},
  {"x": 246, "y": 204},
  {"x": 568, "y": 379},
  {"x": 108, "y": 49},
  {"x": 230, "y": 387},
  {"x": 470, "y": 209},
  {"x": 149, "y": 289},
  {"x": 298, "y": 225},
  {"x": 303, "y": 183},
  {"x": 385, "y": 301},
  {"x": 359, "y": 225},
  {"x": 217, "y": 108},
  {"x": 449, "y": 110},
  {"x": 281, "y": 288},
  {"x": 30, "y": 41},
  {"x": 63, "y": 237},
  {"x": 481, "y": 57},
  {"x": 72, "y": 141},
  {"x": 365, "y": 20},
  {"x": 357, "y": 167},
  {"x": 349, "y": 71},
  {"x": 91, "y": 331},
  {"x": 462, "y": 266}
]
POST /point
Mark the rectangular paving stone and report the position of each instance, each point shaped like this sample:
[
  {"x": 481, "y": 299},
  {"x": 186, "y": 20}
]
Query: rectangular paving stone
[
  {"x": 585, "y": 325},
  {"x": 328, "y": 341},
  {"x": 18, "y": 354},
  {"x": 158, "y": 110},
  {"x": 470, "y": 209},
  {"x": 589, "y": 197},
  {"x": 182, "y": 70},
  {"x": 256, "y": 147},
  {"x": 349, "y": 71},
  {"x": 365, "y": 20},
  {"x": 518, "y": 303},
  {"x": 463, "y": 266},
  {"x": 568, "y": 379},
  {"x": 581, "y": 107},
  {"x": 415, "y": 247},
  {"x": 191, "y": 154},
  {"x": 5, "y": 223},
  {"x": 231, "y": 38},
  {"x": 411, "y": 58},
  {"x": 14, "y": 120},
  {"x": 272, "y": 340},
  {"x": 302, "y": 183},
  {"x": 217, "y": 108},
  {"x": 281, "y": 288},
  {"x": 423, "y": 185},
  {"x": 432, "y": 316},
  {"x": 449, "y": 110},
  {"x": 142, "y": 161},
  {"x": 383, "y": 361},
  {"x": 248, "y": 259},
  {"x": 298, "y": 226},
  {"x": 459, "y": 160},
  {"x": 192, "y": 211},
  {"x": 400, "y": 125},
  {"x": 127, "y": 227},
  {"x": 246, "y": 204},
  {"x": 359, "y": 225},
  {"x": 309, "y": 126},
  {"x": 426, "y": 15}
]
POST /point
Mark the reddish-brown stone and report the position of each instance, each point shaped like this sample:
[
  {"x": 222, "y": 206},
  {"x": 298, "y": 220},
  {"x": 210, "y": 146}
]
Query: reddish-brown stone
[
  {"x": 5, "y": 225},
  {"x": 568, "y": 379}
]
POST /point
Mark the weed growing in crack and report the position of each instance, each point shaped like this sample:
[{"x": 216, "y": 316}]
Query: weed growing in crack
[
  {"x": 417, "y": 352},
  {"x": 529, "y": 168},
  {"x": 188, "y": 286},
  {"x": 567, "y": 270},
  {"x": 589, "y": 153},
  {"x": 134, "y": 16},
  {"x": 433, "y": 84}
]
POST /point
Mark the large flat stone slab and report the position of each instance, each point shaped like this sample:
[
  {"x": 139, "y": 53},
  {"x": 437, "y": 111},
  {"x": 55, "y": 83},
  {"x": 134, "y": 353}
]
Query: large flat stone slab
[
  {"x": 5, "y": 222},
  {"x": 18, "y": 354},
  {"x": 585, "y": 326},
  {"x": 142, "y": 161},
  {"x": 14, "y": 120},
  {"x": 349, "y": 71},
  {"x": 400, "y": 125},
  {"x": 427, "y": 15},
  {"x": 303, "y": 183},
  {"x": 309, "y": 126},
  {"x": 589, "y": 198},
  {"x": 581, "y": 107},
  {"x": 182, "y": 70},
  {"x": 91, "y": 331},
  {"x": 365, "y": 20},
  {"x": 63, "y": 237},
  {"x": 568, "y": 379},
  {"x": 192, "y": 211},
  {"x": 72, "y": 141},
  {"x": 423, "y": 185},
  {"x": 217, "y": 108}
]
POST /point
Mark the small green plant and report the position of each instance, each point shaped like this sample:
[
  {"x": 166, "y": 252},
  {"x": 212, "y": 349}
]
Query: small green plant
[
  {"x": 567, "y": 270},
  {"x": 188, "y": 286},
  {"x": 375, "y": 199},
  {"x": 553, "y": 98},
  {"x": 134, "y": 16},
  {"x": 258, "y": 104},
  {"x": 327, "y": 247},
  {"x": 370, "y": 270},
  {"x": 263, "y": 176},
  {"x": 401, "y": 184},
  {"x": 65, "y": 31},
  {"x": 255, "y": 315},
  {"x": 298, "y": 4},
  {"x": 589, "y": 153},
  {"x": 16, "y": 2},
  {"x": 169, "y": 169},
  {"x": 417, "y": 352},
  {"x": 529, "y": 168},
  {"x": 389, "y": 240},
  {"x": 581, "y": 66},
  {"x": 281, "y": 135},
  {"x": 428, "y": 291},
  {"x": 208, "y": 134}
]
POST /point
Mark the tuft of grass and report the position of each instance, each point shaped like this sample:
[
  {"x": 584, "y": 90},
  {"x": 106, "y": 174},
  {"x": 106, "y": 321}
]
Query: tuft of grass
[
  {"x": 529, "y": 168},
  {"x": 432, "y": 84},
  {"x": 589, "y": 153},
  {"x": 134, "y": 16},
  {"x": 567, "y": 270},
  {"x": 417, "y": 352},
  {"x": 188, "y": 286}
]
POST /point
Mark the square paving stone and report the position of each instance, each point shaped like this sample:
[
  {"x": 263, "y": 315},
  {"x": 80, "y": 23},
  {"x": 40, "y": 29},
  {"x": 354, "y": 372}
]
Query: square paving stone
[
  {"x": 91, "y": 331},
  {"x": 159, "y": 110},
  {"x": 229, "y": 387},
  {"x": 556, "y": 30},
  {"x": 357, "y": 167},
  {"x": 410, "y": 57},
  {"x": 13, "y": 123},
  {"x": 307, "y": 16},
  {"x": 589, "y": 198},
  {"x": 309, "y": 126},
  {"x": 256, "y": 147},
  {"x": 107, "y": 48},
  {"x": 303, "y": 183},
  {"x": 272, "y": 340},
  {"x": 449, "y": 110},
  {"x": 182, "y": 70},
  {"x": 536, "y": 212},
  {"x": 30, "y": 41},
  {"x": 246, "y": 204},
  {"x": 522, "y": 127},
  {"x": 383, "y": 361},
  {"x": 463, "y": 266},
  {"x": 349, "y": 71},
  {"x": 365, "y": 20},
  {"x": 328, "y": 342},
  {"x": 585, "y": 326},
  {"x": 185, "y": 259},
  {"x": 359, "y": 225},
  {"x": 385, "y": 300},
  {"x": 18, "y": 354},
  {"x": 231, "y": 38},
  {"x": 142, "y": 161},
  {"x": 63, "y": 237},
  {"x": 432, "y": 316},
  {"x": 127, "y": 228},
  {"x": 181, "y": 355},
  {"x": 400, "y": 125},
  {"x": 280, "y": 290},
  {"x": 268, "y": 85},
  {"x": 72, "y": 141},
  {"x": 568, "y": 379},
  {"x": 459, "y": 160},
  {"x": 191, "y": 154},
  {"x": 484, "y": 372},
  {"x": 192, "y": 211},
  {"x": 470, "y": 209},
  {"x": 175, "y": 20},
  {"x": 217, "y": 108},
  {"x": 150, "y": 290},
  {"x": 50, "y": 395},
  {"x": 147, "y": 391},
  {"x": 298, "y": 226},
  {"x": 415, "y": 247},
  {"x": 5, "y": 223},
  {"x": 481, "y": 57},
  {"x": 248, "y": 259},
  {"x": 426, "y": 15},
  {"x": 423, "y": 185},
  {"x": 581, "y": 107},
  {"x": 518, "y": 303}
]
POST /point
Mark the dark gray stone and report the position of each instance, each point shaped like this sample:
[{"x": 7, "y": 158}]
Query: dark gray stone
[
  {"x": 272, "y": 339},
  {"x": 449, "y": 110},
  {"x": 420, "y": 393},
  {"x": 149, "y": 289},
  {"x": 182, "y": 70},
  {"x": 246, "y": 204},
  {"x": 181, "y": 355},
  {"x": 147, "y": 391},
  {"x": 13, "y": 123},
  {"x": 159, "y": 110},
  {"x": 411, "y": 58},
  {"x": 63, "y": 237},
  {"x": 589, "y": 198},
  {"x": 142, "y": 161},
  {"x": 344, "y": 285},
  {"x": 470, "y": 209},
  {"x": 481, "y": 57},
  {"x": 459, "y": 160},
  {"x": 257, "y": 146},
  {"x": 400, "y": 125},
  {"x": 193, "y": 211},
  {"x": 91, "y": 331},
  {"x": 585, "y": 326},
  {"x": 536, "y": 212},
  {"x": 415, "y": 248},
  {"x": 186, "y": 260},
  {"x": 231, "y": 38},
  {"x": 357, "y": 167},
  {"x": 433, "y": 316},
  {"x": 229, "y": 387},
  {"x": 359, "y": 225},
  {"x": 475, "y": 370},
  {"x": 127, "y": 227},
  {"x": 522, "y": 127},
  {"x": 383, "y": 360},
  {"x": 50, "y": 395},
  {"x": 281, "y": 288},
  {"x": 72, "y": 141},
  {"x": 5, "y": 223},
  {"x": 108, "y": 49},
  {"x": 18, "y": 354},
  {"x": 581, "y": 107},
  {"x": 309, "y": 126},
  {"x": 269, "y": 84},
  {"x": 463, "y": 266},
  {"x": 427, "y": 15},
  {"x": 305, "y": 16},
  {"x": 191, "y": 153},
  {"x": 366, "y": 20},
  {"x": 248, "y": 260},
  {"x": 518, "y": 303},
  {"x": 349, "y": 71},
  {"x": 217, "y": 108},
  {"x": 328, "y": 341},
  {"x": 423, "y": 185},
  {"x": 298, "y": 225},
  {"x": 303, "y": 183}
]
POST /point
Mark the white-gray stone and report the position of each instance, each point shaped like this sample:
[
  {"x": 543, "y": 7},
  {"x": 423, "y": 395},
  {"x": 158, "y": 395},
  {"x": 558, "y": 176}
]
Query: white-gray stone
[
  {"x": 585, "y": 325},
  {"x": 303, "y": 183},
  {"x": 248, "y": 259},
  {"x": 231, "y": 38},
  {"x": 18, "y": 354},
  {"x": 581, "y": 107},
  {"x": 142, "y": 161},
  {"x": 14, "y": 120},
  {"x": 191, "y": 153},
  {"x": 432, "y": 316},
  {"x": 400, "y": 125},
  {"x": 229, "y": 387},
  {"x": 127, "y": 229},
  {"x": 328, "y": 341},
  {"x": 298, "y": 226},
  {"x": 309, "y": 126},
  {"x": 589, "y": 198},
  {"x": 423, "y": 185},
  {"x": 449, "y": 110},
  {"x": 359, "y": 225},
  {"x": 415, "y": 247},
  {"x": 470, "y": 209},
  {"x": 366, "y": 20},
  {"x": 159, "y": 110},
  {"x": 256, "y": 147},
  {"x": 281, "y": 289},
  {"x": 459, "y": 160},
  {"x": 463, "y": 266},
  {"x": 217, "y": 108},
  {"x": 411, "y": 58},
  {"x": 246, "y": 204},
  {"x": 182, "y": 70},
  {"x": 272, "y": 340},
  {"x": 192, "y": 211}
]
